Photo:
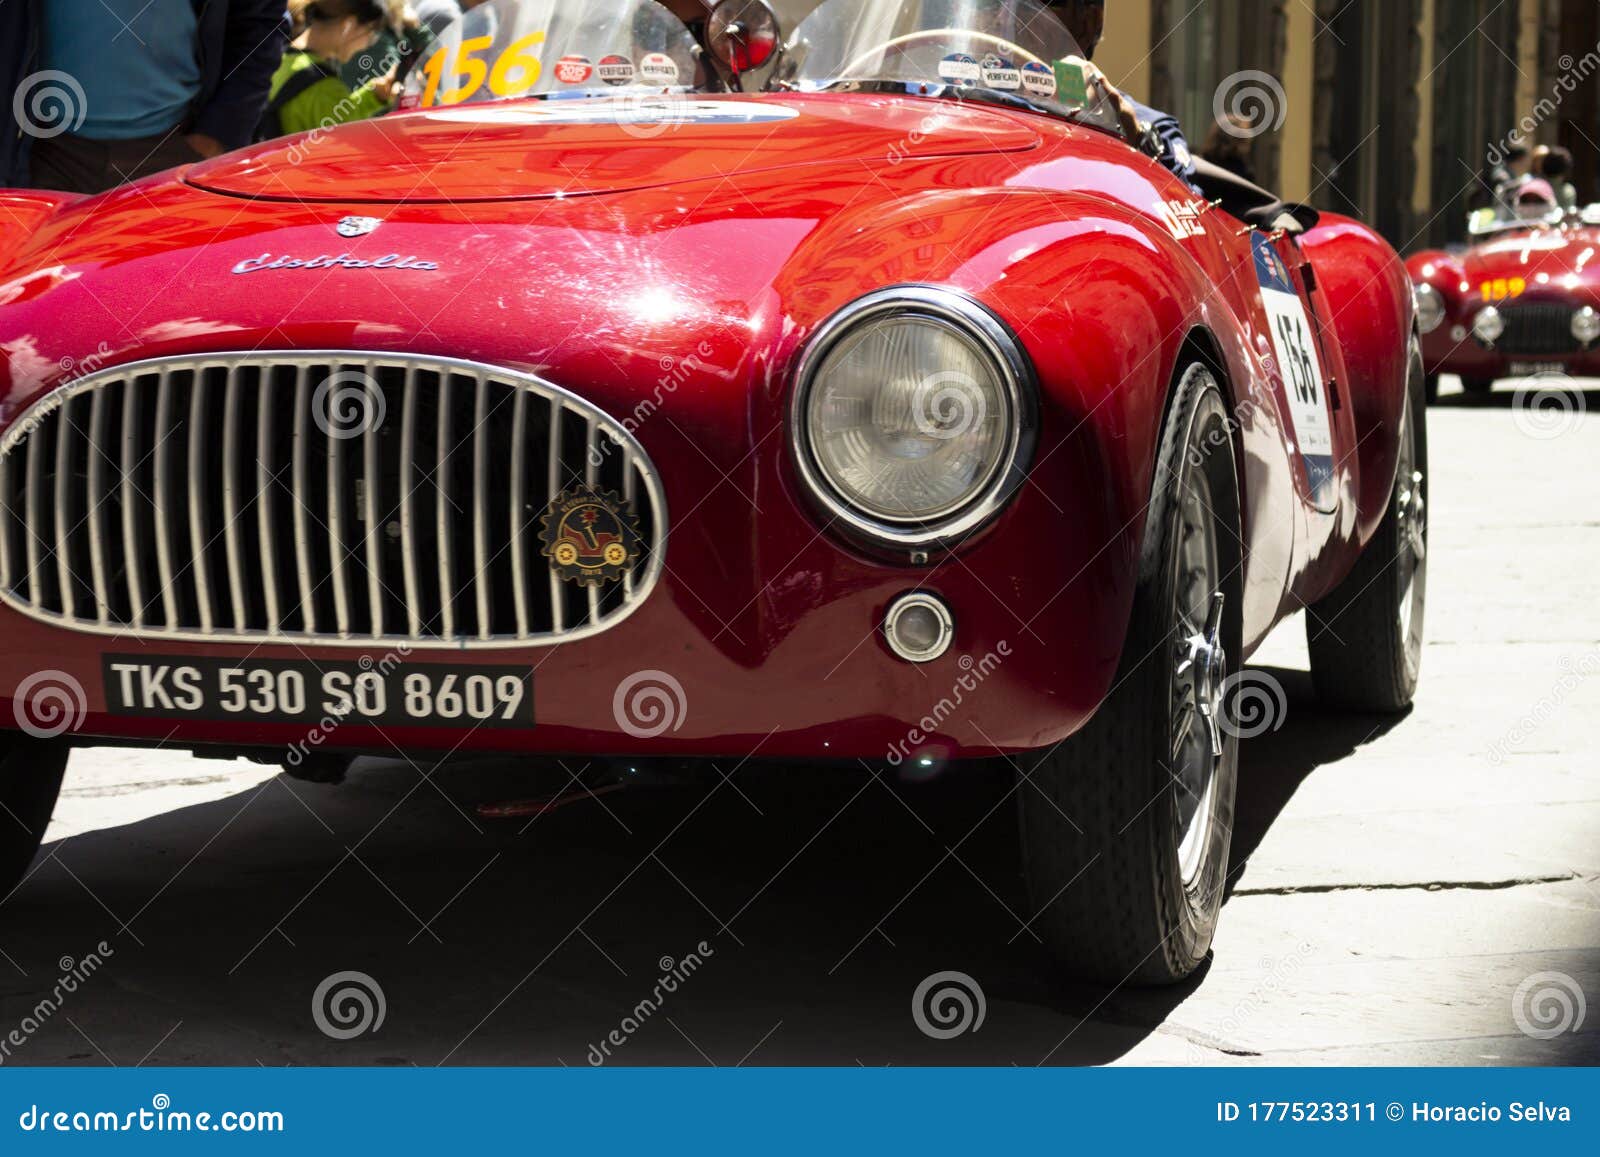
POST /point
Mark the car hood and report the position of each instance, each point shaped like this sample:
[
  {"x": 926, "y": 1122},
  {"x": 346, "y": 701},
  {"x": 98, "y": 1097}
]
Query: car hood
[
  {"x": 1556, "y": 253},
  {"x": 531, "y": 150}
]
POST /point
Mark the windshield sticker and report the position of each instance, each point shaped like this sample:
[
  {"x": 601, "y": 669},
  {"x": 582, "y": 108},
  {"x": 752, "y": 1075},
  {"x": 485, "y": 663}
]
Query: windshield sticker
[
  {"x": 659, "y": 68},
  {"x": 959, "y": 68},
  {"x": 1000, "y": 74},
  {"x": 1300, "y": 368},
  {"x": 652, "y": 110},
  {"x": 1038, "y": 80},
  {"x": 574, "y": 69},
  {"x": 616, "y": 70}
]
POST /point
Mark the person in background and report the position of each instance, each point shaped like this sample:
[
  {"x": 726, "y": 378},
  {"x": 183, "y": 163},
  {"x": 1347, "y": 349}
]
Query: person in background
[
  {"x": 1228, "y": 146},
  {"x": 1086, "y": 20},
  {"x": 345, "y": 66},
  {"x": 17, "y": 20},
  {"x": 1554, "y": 164},
  {"x": 154, "y": 83}
]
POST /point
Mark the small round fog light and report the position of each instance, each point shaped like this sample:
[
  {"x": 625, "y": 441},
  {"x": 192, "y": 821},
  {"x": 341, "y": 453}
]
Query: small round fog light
[
  {"x": 1586, "y": 325},
  {"x": 918, "y": 628},
  {"x": 1489, "y": 325}
]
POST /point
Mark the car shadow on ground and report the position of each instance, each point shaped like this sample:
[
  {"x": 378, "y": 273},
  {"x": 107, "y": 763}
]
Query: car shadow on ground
[
  {"x": 1556, "y": 397},
  {"x": 794, "y": 910}
]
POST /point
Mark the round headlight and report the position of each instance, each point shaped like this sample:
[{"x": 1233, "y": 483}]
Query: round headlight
[
  {"x": 1489, "y": 325},
  {"x": 912, "y": 415},
  {"x": 1586, "y": 325},
  {"x": 1430, "y": 308}
]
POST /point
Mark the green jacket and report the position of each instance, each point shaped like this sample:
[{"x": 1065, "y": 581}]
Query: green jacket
[{"x": 326, "y": 103}]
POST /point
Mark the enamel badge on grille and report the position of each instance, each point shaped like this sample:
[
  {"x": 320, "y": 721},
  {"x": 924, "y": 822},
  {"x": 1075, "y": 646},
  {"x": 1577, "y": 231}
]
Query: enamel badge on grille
[{"x": 590, "y": 537}]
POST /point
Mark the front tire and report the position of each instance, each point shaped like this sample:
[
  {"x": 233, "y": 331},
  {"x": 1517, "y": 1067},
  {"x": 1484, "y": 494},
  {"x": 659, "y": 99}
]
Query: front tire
[
  {"x": 31, "y": 771},
  {"x": 1126, "y": 827},
  {"x": 1366, "y": 637}
]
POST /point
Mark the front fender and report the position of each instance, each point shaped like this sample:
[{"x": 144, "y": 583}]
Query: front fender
[
  {"x": 1104, "y": 300},
  {"x": 1374, "y": 315}
]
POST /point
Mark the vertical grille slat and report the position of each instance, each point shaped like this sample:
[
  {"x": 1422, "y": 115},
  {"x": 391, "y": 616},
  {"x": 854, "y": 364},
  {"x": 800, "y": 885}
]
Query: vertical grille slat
[
  {"x": 408, "y": 488},
  {"x": 230, "y": 498},
  {"x": 166, "y": 428},
  {"x": 372, "y": 513},
  {"x": 266, "y": 504},
  {"x": 98, "y": 496},
  {"x": 591, "y": 478},
  {"x": 130, "y": 505},
  {"x": 298, "y": 495},
  {"x": 133, "y": 544},
  {"x": 338, "y": 558},
  {"x": 199, "y": 532},
  {"x": 444, "y": 524},
  {"x": 63, "y": 514},
  {"x": 480, "y": 505},
  {"x": 519, "y": 512}
]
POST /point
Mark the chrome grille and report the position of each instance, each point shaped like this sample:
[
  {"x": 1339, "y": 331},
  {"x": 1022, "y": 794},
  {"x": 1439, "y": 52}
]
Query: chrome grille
[
  {"x": 234, "y": 498},
  {"x": 1537, "y": 329}
]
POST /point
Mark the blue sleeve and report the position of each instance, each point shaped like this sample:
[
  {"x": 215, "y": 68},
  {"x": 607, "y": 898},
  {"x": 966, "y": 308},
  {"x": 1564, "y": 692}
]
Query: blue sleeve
[{"x": 1175, "y": 152}]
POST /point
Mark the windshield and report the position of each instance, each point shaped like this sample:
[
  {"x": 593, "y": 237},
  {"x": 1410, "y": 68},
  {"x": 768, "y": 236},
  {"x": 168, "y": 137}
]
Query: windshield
[
  {"x": 1004, "y": 51},
  {"x": 555, "y": 48}
]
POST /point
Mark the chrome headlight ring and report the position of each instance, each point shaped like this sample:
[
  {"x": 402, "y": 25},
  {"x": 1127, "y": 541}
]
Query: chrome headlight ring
[
  {"x": 1018, "y": 390},
  {"x": 1431, "y": 310}
]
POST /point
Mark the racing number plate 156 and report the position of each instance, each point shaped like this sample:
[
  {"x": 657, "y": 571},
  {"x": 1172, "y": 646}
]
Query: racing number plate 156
[{"x": 382, "y": 694}]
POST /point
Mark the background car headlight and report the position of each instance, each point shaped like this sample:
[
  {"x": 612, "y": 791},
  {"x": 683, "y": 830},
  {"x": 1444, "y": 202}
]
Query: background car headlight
[
  {"x": 1430, "y": 308},
  {"x": 1489, "y": 325},
  {"x": 1586, "y": 325},
  {"x": 913, "y": 411}
]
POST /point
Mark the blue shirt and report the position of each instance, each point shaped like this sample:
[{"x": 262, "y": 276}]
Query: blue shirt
[{"x": 137, "y": 62}]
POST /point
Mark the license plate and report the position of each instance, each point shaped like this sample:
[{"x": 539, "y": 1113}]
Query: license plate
[
  {"x": 382, "y": 694},
  {"x": 1535, "y": 369}
]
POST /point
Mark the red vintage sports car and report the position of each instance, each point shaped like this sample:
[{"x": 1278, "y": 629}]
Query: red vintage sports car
[
  {"x": 1522, "y": 300},
  {"x": 900, "y": 411}
]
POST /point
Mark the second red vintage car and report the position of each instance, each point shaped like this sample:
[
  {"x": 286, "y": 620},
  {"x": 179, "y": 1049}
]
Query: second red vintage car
[
  {"x": 1522, "y": 300},
  {"x": 902, "y": 412}
]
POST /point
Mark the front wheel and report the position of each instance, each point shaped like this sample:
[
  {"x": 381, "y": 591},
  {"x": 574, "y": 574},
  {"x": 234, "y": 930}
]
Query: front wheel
[
  {"x": 1126, "y": 827},
  {"x": 1366, "y": 637},
  {"x": 31, "y": 771}
]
